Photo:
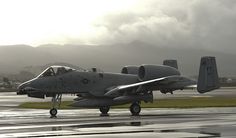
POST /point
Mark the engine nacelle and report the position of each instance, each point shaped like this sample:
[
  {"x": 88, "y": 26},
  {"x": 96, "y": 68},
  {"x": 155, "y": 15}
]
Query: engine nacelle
[
  {"x": 130, "y": 70},
  {"x": 148, "y": 72}
]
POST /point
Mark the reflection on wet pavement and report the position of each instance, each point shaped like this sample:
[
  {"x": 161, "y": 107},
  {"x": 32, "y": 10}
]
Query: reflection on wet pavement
[
  {"x": 203, "y": 123},
  {"x": 84, "y": 123}
]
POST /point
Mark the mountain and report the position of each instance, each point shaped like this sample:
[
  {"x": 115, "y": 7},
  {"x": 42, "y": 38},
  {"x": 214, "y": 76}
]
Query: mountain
[{"x": 109, "y": 57}]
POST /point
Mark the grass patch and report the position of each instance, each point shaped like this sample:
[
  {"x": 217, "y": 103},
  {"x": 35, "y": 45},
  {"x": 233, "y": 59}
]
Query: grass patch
[{"x": 190, "y": 102}]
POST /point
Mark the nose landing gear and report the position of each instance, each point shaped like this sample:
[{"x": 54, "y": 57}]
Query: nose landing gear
[
  {"x": 104, "y": 110},
  {"x": 56, "y": 102},
  {"x": 53, "y": 112}
]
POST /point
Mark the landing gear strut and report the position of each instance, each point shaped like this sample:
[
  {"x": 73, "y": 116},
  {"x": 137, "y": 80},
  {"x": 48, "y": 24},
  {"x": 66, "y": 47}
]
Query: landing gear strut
[
  {"x": 56, "y": 102},
  {"x": 135, "y": 109},
  {"x": 104, "y": 110}
]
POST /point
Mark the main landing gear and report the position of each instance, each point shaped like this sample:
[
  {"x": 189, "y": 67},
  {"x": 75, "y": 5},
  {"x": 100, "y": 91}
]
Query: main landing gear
[
  {"x": 104, "y": 110},
  {"x": 56, "y": 102},
  {"x": 135, "y": 108}
]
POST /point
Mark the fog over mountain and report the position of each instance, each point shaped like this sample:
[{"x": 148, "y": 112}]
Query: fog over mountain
[
  {"x": 206, "y": 24},
  {"x": 118, "y": 33},
  {"x": 111, "y": 57}
]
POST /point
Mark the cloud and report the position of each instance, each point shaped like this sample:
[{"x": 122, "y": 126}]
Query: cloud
[{"x": 207, "y": 24}]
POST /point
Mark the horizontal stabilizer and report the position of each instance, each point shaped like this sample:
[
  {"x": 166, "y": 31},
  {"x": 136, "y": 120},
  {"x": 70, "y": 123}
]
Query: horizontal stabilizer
[{"x": 171, "y": 63}]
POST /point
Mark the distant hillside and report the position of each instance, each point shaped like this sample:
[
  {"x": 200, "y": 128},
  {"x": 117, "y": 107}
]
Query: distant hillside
[{"x": 109, "y": 57}]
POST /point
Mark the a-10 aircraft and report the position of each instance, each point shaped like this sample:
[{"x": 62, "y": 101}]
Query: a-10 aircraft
[{"x": 95, "y": 89}]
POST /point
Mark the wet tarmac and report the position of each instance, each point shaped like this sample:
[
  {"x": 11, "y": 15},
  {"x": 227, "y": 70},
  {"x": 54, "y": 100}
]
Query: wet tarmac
[
  {"x": 176, "y": 123},
  {"x": 191, "y": 123}
]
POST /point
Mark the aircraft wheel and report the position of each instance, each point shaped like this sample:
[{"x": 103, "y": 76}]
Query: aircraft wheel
[
  {"x": 104, "y": 109},
  {"x": 53, "y": 112},
  {"x": 135, "y": 109}
]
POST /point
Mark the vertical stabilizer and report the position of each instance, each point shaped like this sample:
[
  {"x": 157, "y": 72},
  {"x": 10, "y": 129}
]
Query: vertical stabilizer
[
  {"x": 171, "y": 63},
  {"x": 208, "y": 75}
]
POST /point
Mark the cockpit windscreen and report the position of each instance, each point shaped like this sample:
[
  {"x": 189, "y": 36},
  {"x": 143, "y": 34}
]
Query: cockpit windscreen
[{"x": 55, "y": 70}]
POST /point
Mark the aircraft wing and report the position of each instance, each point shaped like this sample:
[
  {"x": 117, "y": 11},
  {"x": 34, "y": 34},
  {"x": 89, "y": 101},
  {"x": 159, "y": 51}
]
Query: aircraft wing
[{"x": 162, "y": 81}]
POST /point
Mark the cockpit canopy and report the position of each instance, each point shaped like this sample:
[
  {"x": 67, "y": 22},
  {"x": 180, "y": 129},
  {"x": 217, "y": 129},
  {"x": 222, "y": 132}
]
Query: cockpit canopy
[{"x": 55, "y": 70}]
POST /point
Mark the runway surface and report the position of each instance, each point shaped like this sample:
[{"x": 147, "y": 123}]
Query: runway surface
[
  {"x": 188, "y": 123},
  {"x": 191, "y": 123}
]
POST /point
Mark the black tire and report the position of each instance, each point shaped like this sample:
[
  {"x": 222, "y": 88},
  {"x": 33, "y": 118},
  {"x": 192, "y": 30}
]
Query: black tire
[
  {"x": 53, "y": 112},
  {"x": 104, "y": 109},
  {"x": 135, "y": 109}
]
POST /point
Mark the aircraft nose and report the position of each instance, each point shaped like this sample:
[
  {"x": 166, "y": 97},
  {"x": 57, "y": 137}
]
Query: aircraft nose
[{"x": 21, "y": 88}]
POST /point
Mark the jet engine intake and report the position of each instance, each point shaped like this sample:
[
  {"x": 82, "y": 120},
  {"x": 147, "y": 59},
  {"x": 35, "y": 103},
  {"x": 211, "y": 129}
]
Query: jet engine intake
[{"x": 148, "y": 72}]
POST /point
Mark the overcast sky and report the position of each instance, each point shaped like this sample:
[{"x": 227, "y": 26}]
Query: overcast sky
[{"x": 207, "y": 24}]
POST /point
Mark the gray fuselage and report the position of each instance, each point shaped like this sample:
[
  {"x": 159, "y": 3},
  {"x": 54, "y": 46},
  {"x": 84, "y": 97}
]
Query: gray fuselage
[{"x": 93, "y": 83}]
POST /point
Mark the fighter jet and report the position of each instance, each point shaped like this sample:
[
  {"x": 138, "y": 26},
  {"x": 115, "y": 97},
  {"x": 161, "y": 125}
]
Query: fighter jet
[{"x": 97, "y": 89}]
